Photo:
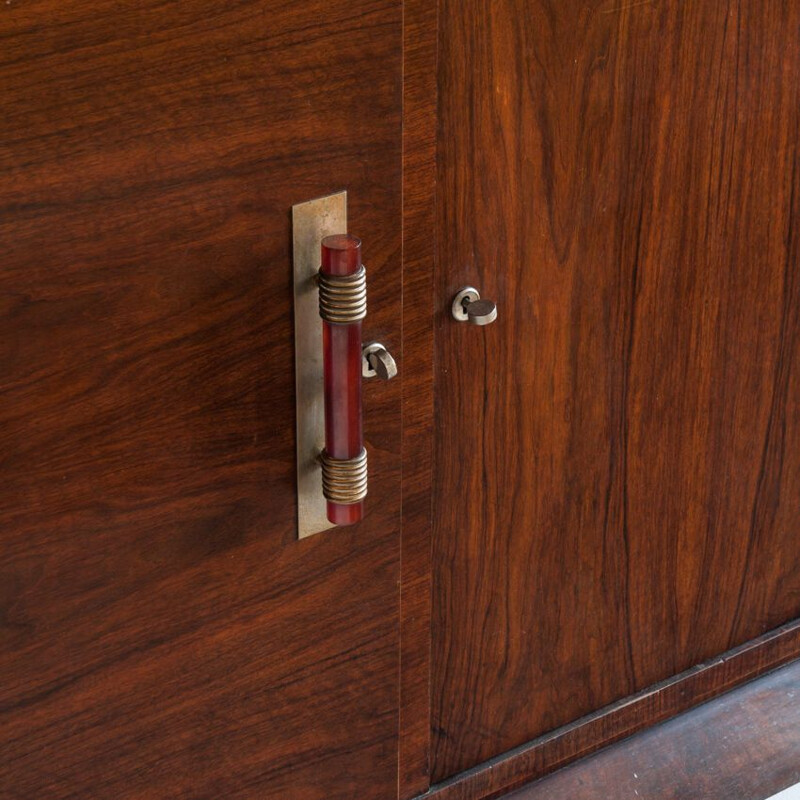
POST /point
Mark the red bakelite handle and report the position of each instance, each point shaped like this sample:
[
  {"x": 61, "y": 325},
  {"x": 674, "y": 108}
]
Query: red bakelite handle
[{"x": 341, "y": 255}]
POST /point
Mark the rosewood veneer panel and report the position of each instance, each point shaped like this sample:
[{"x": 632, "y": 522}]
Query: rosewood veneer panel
[
  {"x": 618, "y": 457},
  {"x": 162, "y": 634}
]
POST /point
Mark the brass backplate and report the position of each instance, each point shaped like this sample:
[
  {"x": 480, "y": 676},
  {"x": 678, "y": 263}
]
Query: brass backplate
[{"x": 311, "y": 222}]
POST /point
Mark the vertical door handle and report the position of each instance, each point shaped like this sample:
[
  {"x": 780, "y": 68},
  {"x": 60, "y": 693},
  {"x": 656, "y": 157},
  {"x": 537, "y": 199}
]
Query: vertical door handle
[
  {"x": 330, "y": 283},
  {"x": 342, "y": 306}
]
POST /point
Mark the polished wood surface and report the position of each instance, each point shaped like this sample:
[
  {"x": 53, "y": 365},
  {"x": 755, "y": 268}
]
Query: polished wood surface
[
  {"x": 543, "y": 755},
  {"x": 162, "y": 633},
  {"x": 419, "y": 249},
  {"x": 745, "y": 745},
  {"x": 618, "y": 456}
]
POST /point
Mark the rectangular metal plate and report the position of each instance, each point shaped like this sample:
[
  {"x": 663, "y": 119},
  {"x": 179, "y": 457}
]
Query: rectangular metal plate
[{"x": 311, "y": 222}]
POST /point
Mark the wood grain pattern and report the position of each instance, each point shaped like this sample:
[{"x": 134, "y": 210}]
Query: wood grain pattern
[
  {"x": 162, "y": 634},
  {"x": 547, "y": 753},
  {"x": 618, "y": 457},
  {"x": 744, "y": 745},
  {"x": 419, "y": 245}
]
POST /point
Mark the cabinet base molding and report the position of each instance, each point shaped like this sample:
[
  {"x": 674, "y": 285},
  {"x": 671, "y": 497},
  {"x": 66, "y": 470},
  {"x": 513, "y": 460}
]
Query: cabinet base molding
[
  {"x": 656, "y": 704},
  {"x": 744, "y": 744}
]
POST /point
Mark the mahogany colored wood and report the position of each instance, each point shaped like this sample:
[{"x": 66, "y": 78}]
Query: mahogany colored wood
[
  {"x": 419, "y": 245},
  {"x": 745, "y": 745},
  {"x": 162, "y": 633},
  {"x": 618, "y": 456},
  {"x": 498, "y": 776}
]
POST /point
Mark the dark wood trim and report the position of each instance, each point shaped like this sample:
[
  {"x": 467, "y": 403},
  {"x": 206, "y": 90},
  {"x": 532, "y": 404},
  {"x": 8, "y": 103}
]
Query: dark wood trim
[
  {"x": 745, "y": 744},
  {"x": 656, "y": 704},
  {"x": 419, "y": 218}
]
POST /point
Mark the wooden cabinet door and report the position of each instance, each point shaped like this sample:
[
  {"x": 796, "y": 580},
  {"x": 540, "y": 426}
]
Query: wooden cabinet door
[
  {"x": 618, "y": 455},
  {"x": 162, "y": 631}
]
